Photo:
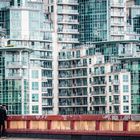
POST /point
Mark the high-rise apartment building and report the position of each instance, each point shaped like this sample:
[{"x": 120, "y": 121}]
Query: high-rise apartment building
[
  {"x": 100, "y": 78},
  {"x": 14, "y": 79},
  {"x": 107, "y": 20},
  {"x": 102, "y": 20},
  {"x": 64, "y": 15},
  {"x": 27, "y": 26},
  {"x": 44, "y": 69}
]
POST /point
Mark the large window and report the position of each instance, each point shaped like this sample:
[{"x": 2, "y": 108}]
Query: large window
[
  {"x": 35, "y": 86},
  {"x": 34, "y": 97},
  {"x": 125, "y": 78},
  {"x": 126, "y": 99},
  {"x": 125, "y": 88},
  {"x": 125, "y": 109},
  {"x": 35, "y": 109}
]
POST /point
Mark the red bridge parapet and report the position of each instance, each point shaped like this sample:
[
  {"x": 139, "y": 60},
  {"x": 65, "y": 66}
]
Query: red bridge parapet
[{"x": 116, "y": 125}]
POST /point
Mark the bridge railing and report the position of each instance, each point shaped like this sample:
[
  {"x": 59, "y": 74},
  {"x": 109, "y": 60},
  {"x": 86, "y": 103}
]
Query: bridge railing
[{"x": 76, "y": 124}]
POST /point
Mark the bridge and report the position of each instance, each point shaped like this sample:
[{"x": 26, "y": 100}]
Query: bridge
[{"x": 74, "y": 127}]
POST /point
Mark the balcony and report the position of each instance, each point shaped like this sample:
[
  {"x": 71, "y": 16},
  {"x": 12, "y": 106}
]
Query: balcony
[
  {"x": 76, "y": 66},
  {"x": 45, "y": 57},
  {"x": 115, "y": 92},
  {"x": 117, "y": 32},
  {"x": 47, "y": 105},
  {"x": 100, "y": 93},
  {"x": 68, "y": 31},
  {"x": 14, "y": 76},
  {"x": 117, "y": 14},
  {"x": 65, "y": 85},
  {"x": 117, "y": 4},
  {"x": 68, "y": 12},
  {"x": 99, "y": 83},
  {"x": 79, "y": 75},
  {"x": 16, "y": 64},
  {"x": 116, "y": 102},
  {"x": 44, "y": 89},
  {"x": 115, "y": 23},
  {"x": 115, "y": 82},
  {"x": 68, "y": 21},
  {"x": 68, "y": 2},
  {"x": 68, "y": 40},
  {"x": 99, "y": 103},
  {"x": 99, "y": 73},
  {"x": 44, "y": 79}
]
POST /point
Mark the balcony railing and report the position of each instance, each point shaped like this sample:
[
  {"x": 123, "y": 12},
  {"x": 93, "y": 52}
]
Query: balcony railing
[
  {"x": 63, "y": 66},
  {"x": 69, "y": 2},
  {"x": 68, "y": 21},
  {"x": 72, "y": 31},
  {"x": 14, "y": 76},
  {"x": 67, "y": 11},
  {"x": 117, "y": 14},
  {"x": 16, "y": 64},
  {"x": 72, "y": 40},
  {"x": 99, "y": 103},
  {"x": 44, "y": 89},
  {"x": 117, "y": 4}
]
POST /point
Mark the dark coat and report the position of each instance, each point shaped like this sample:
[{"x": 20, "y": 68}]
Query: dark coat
[{"x": 3, "y": 115}]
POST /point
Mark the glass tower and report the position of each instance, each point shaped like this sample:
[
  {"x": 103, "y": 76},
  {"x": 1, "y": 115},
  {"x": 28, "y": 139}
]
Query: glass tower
[
  {"x": 137, "y": 2},
  {"x": 93, "y": 20}
]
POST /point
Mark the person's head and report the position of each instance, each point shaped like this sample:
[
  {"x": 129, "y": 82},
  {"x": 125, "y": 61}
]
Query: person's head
[{"x": 4, "y": 107}]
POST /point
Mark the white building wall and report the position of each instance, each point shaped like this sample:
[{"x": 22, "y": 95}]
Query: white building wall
[
  {"x": 39, "y": 91},
  {"x": 122, "y": 83},
  {"x": 25, "y": 25}
]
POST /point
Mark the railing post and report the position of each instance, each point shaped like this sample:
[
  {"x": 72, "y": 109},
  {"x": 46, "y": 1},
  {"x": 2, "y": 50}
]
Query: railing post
[
  {"x": 97, "y": 125},
  {"x": 28, "y": 124},
  {"x": 72, "y": 124},
  {"x": 8, "y": 124},
  {"x": 49, "y": 124},
  {"x": 125, "y": 125}
]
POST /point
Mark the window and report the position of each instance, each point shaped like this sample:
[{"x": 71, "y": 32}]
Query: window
[
  {"x": 125, "y": 78},
  {"x": 109, "y": 78},
  {"x": 109, "y": 88},
  {"x": 116, "y": 77},
  {"x": 34, "y": 97},
  {"x": 89, "y": 60},
  {"x": 35, "y": 109},
  {"x": 125, "y": 109},
  {"x": 35, "y": 86},
  {"x": 110, "y": 109},
  {"x": 125, "y": 88},
  {"x": 32, "y": 43},
  {"x": 126, "y": 99},
  {"x": 34, "y": 74},
  {"x": 51, "y": 8},
  {"x": 77, "y": 54},
  {"x": 110, "y": 99}
]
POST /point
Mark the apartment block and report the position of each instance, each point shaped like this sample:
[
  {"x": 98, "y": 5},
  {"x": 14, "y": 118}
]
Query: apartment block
[
  {"x": 27, "y": 26},
  {"x": 14, "y": 79},
  {"x": 108, "y": 20},
  {"x": 99, "y": 73},
  {"x": 111, "y": 92}
]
